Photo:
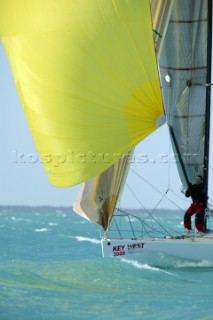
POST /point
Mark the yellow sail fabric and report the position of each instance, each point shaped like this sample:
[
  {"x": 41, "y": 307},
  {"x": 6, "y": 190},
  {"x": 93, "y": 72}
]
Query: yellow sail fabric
[
  {"x": 99, "y": 197},
  {"x": 88, "y": 83},
  {"x": 21, "y": 17}
]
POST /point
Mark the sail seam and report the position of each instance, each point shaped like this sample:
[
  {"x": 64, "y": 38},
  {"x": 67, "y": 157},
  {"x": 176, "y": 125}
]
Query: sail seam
[
  {"x": 183, "y": 69},
  {"x": 188, "y": 21}
]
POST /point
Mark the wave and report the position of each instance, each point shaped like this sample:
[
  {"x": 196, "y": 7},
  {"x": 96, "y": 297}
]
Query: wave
[
  {"x": 194, "y": 264},
  {"x": 59, "y": 211},
  {"x": 92, "y": 240},
  {"x": 20, "y": 219},
  {"x": 41, "y": 230},
  {"x": 52, "y": 223},
  {"x": 139, "y": 265}
]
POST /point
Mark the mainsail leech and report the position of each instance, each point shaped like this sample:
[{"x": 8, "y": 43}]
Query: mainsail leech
[{"x": 184, "y": 61}]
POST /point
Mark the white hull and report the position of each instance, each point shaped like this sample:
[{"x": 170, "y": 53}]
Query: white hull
[{"x": 197, "y": 248}]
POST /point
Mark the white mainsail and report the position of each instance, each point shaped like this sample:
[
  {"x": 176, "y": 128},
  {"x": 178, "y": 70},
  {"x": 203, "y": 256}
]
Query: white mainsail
[{"x": 184, "y": 62}]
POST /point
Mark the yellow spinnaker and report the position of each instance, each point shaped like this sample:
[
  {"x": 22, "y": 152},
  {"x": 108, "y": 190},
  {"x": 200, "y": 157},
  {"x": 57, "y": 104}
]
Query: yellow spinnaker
[{"x": 87, "y": 78}]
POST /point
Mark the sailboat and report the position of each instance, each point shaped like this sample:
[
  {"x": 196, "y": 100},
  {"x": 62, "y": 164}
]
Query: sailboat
[{"x": 97, "y": 77}]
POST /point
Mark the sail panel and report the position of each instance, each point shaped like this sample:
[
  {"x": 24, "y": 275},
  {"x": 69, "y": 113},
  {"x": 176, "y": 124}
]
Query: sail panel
[
  {"x": 27, "y": 17},
  {"x": 88, "y": 97},
  {"x": 184, "y": 63},
  {"x": 99, "y": 197},
  {"x": 161, "y": 11}
]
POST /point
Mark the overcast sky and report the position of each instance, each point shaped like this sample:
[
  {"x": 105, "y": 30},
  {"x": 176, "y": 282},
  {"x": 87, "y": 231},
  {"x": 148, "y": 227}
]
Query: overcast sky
[{"x": 25, "y": 183}]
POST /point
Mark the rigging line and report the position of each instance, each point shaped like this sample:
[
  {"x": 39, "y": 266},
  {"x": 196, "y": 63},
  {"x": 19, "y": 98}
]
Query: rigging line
[
  {"x": 181, "y": 198},
  {"x": 169, "y": 165},
  {"x": 202, "y": 84},
  {"x": 147, "y": 211},
  {"x": 135, "y": 196},
  {"x": 157, "y": 190},
  {"x": 148, "y": 229},
  {"x": 145, "y": 224},
  {"x": 208, "y": 106}
]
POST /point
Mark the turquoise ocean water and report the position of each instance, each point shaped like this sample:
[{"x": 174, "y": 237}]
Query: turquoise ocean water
[{"x": 51, "y": 267}]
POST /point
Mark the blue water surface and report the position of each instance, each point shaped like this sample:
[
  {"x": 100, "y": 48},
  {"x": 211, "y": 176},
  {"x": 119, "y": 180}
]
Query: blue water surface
[{"x": 51, "y": 267}]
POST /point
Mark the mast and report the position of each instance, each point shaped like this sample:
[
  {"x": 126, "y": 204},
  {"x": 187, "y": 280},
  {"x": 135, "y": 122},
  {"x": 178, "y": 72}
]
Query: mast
[
  {"x": 208, "y": 99},
  {"x": 179, "y": 156}
]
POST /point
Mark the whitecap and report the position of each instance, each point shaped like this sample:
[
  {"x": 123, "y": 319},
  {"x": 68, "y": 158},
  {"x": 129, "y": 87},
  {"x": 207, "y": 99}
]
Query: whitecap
[
  {"x": 20, "y": 219},
  {"x": 194, "y": 264},
  {"x": 139, "y": 265},
  {"x": 61, "y": 213},
  {"x": 52, "y": 224},
  {"x": 92, "y": 240},
  {"x": 41, "y": 230},
  {"x": 16, "y": 219}
]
